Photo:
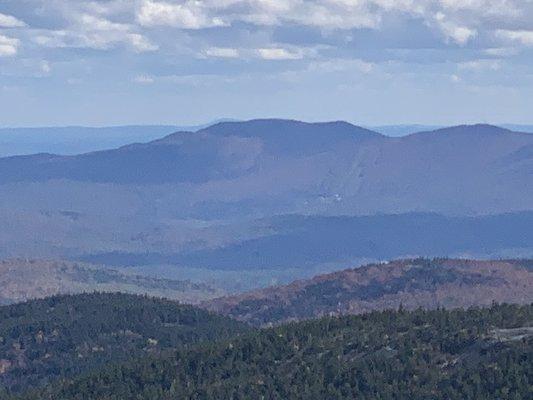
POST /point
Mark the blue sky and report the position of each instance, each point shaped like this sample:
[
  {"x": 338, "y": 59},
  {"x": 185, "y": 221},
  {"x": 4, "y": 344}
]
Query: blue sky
[{"x": 371, "y": 62}]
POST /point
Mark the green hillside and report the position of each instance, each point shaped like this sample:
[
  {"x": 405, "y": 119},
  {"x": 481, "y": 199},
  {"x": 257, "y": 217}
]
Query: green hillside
[
  {"x": 473, "y": 354},
  {"x": 64, "y": 336}
]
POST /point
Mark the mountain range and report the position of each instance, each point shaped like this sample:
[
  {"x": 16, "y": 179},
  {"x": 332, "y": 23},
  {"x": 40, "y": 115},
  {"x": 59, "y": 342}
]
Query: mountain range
[
  {"x": 334, "y": 168},
  {"x": 222, "y": 197}
]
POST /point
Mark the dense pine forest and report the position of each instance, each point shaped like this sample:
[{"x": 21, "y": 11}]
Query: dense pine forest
[
  {"x": 63, "y": 336},
  {"x": 479, "y": 353}
]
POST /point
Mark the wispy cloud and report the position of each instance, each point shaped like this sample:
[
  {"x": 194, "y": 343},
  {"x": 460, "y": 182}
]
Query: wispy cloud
[
  {"x": 8, "y": 46},
  {"x": 221, "y": 52},
  {"x": 8, "y": 21},
  {"x": 144, "y": 79},
  {"x": 276, "y": 53},
  {"x": 186, "y": 15},
  {"x": 95, "y": 32},
  {"x": 524, "y": 37}
]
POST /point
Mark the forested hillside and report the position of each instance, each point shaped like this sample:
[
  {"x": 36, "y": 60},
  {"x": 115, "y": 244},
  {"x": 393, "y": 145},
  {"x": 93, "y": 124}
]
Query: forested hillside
[
  {"x": 63, "y": 336},
  {"x": 452, "y": 355},
  {"x": 449, "y": 283},
  {"x": 23, "y": 279}
]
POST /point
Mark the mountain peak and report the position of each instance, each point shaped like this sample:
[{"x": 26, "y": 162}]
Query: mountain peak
[
  {"x": 470, "y": 130},
  {"x": 278, "y": 123},
  {"x": 272, "y": 130}
]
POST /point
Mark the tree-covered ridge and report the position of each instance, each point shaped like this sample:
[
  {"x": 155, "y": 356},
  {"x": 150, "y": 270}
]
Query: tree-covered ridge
[
  {"x": 63, "y": 336},
  {"x": 427, "y": 283},
  {"x": 439, "y": 354},
  {"x": 27, "y": 279}
]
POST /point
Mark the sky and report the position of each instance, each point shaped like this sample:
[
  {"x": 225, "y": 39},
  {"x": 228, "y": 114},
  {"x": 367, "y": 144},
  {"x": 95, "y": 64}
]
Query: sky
[{"x": 370, "y": 62}]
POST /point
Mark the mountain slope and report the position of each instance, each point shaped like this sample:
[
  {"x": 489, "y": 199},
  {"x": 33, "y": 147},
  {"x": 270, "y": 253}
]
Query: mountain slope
[
  {"x": 22, "y": 280},
  {"x": 452, "y": 355},
  {"x": 203, "y": 191},
  {"x": 411, "y": 283},
  {"x": 65, "y": 336},
  {"x": 334, "y": 168},
  {"x": 221, "y": 151}
]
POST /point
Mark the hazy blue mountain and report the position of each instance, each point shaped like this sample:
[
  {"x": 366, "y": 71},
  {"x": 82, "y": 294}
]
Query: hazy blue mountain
[
  {"x": 72, "y": 140},
  {"x": 404, "y": 130},
  {"x": 224, "y": 150},
  {"x": 241, "y": 168},
  {"x": 197, "y": 199}
]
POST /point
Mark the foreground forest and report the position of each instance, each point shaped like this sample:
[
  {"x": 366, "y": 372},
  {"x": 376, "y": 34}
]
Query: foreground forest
[
  {"x": 64, "y": 336},
  {"x": 440, "y": 354}
]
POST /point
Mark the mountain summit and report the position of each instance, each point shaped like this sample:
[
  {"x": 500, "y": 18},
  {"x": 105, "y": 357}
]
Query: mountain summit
[{"x": 253, "y": 170}]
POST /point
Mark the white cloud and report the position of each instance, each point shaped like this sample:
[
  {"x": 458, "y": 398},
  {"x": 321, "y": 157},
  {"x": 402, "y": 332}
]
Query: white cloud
[
  {"x": 523, "y": 37},
  {"x": 500, "y": 8},
  {"x": 8, "y": 46},
  {"x": 143, "y": 79},
  {"x": 264, "y": 53},
  {"x": 342, "y": 65},
  {"x": 45, "y": 67},
  {"x": 141, "y": 43},
  {"x": 186, "y": 15},
  {"x": 134, "y": 24},
  {"x": 500, "y": 51},
  {"x": 459, "y": 34},
  {"x": 480, "y": 65},
  {"x": 458, "y": 20},
  {"x": 95, "y": 32},
  {"x": 221, "y": 52},
  {"x": 8, "y": 21},
  {"x": 279, "y": 54},
  {"x": 95, "y": 23}
]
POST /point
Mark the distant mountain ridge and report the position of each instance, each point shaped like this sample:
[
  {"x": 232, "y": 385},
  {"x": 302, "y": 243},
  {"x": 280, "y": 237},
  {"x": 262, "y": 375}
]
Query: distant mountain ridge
[
  {"x": 186, "y": 156},
  {"x": 208, "y": 191},
  {"x": 407, "y": 129},
  {"x": 457, "y": 170},
  {"x": 23, "y": 280},
  {"x": 420, "y": 283}
]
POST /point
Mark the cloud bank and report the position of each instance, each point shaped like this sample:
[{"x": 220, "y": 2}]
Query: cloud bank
[{"x": 350, "y": 45}]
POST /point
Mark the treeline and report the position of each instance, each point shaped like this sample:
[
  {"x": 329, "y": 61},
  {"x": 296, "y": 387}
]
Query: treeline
[
  {"x": 63, "y": 336},
  {"x": 458, "y": 354}
]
